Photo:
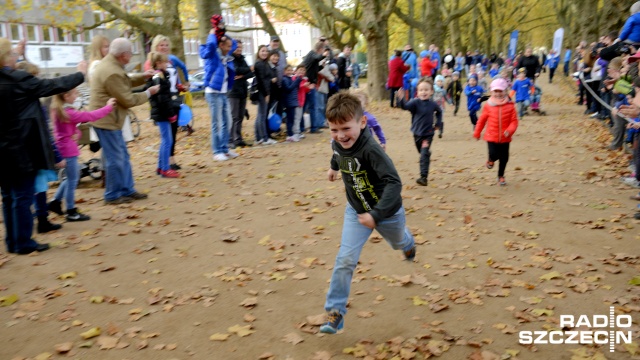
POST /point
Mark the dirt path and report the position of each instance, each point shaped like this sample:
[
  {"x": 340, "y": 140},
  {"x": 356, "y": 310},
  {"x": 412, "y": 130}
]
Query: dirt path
[{"x": 251, "y": 242}]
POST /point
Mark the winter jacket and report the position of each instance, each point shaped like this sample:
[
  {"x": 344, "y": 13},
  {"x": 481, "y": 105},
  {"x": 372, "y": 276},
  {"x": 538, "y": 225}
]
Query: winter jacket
[
  {"x": 109, "y": 80},
  {"x": 312, "y": 63},
  {"x": 472, "y": 98},
  {"x": 427, "y": 66},
  {"x": 631, "y": 29},
  {"x": 343, "y": 63},
  {"x": 175, "y": 65},
  {"x": 375, "y": 127},
  {"x": 164, "y": 104},
  {"x": 239, "y": 89},
  {"x": 25, "y": 145},
  {"x": 65, "y": 130},
  {"x": 263, "y": 74},
  {"x": 397, "y": 68},
  {"x": 410, "y": 58},
  {"x": 553, "y": 61},
  {"x": 215, "y": 64},
  {"x": 422, "y": 113},
  {"x": 302, "y": 90},
  {"x": 454, "y": 90},
  {"x": 498, "y": 119},
  {"x": 531, "y": 64},
  {"x": 290, "y": 91}
]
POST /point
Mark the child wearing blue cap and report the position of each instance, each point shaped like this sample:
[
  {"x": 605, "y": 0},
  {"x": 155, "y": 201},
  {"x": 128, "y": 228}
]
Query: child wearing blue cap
[{"x": 474, "y": 93}]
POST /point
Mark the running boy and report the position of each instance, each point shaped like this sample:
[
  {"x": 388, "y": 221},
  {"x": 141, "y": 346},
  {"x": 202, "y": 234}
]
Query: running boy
[
  {"x": 454, "y": 90},
  {"x": 422, "y": 125},
  {"x": 373, "y": 190},
  {"x": 474, "y": 93},
  {"x": 522, "y": 86},
  {"x": 500, "y": 117}
]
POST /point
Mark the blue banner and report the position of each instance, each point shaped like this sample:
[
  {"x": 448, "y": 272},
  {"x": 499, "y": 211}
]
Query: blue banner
[{"x": 513, "y": 44}]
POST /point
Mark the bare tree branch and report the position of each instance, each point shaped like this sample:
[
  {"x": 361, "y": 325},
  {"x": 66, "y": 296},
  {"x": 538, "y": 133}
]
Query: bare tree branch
[
  {"x": 100, "y": 23},
  {"x": 296, "y": 12},
  {"x": 460, "y": 12},
  {"x": 133, "y": 20},
  {"x": 339, "y": 16},
  {"x": 390, "y": 6}
]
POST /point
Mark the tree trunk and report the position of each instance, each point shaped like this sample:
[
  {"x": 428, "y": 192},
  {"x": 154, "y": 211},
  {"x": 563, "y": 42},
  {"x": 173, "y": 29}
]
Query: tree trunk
[
  {"x": 206, "y": 8},
  {"x": 377, "y": 51},
  {"x": 434, "y": 28},
  {"x": 411, "y": 30},
  {"x": 473, "y": 36},
  {"x": 456, "y": 36}
]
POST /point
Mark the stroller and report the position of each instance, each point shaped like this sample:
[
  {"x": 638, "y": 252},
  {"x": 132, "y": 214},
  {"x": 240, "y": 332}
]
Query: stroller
[
  {"x": 535, "y": 101},
  {"x": 92, "y": 168}
]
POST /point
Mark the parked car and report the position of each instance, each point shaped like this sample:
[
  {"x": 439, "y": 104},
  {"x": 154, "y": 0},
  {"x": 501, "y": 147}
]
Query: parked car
[
  {"x": 363, "y": 70},
  {"x": 196, "y": 82}
]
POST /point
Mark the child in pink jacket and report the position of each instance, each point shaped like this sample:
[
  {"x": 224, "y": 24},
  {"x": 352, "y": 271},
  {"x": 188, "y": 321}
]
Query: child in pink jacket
[{"x": 66, "y": 118}]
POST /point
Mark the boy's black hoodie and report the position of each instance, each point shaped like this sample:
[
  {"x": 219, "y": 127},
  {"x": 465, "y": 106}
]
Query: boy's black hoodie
[
  {"x": 371, "y": 181},
  {"x": 422, "y": 113}
]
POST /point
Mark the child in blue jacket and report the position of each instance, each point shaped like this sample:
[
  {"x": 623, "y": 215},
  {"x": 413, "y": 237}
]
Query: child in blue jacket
[
  {"x": 290, "y": 98},
  {"x": 522, "y": 86},
  {"x": 474, "y": 93}
]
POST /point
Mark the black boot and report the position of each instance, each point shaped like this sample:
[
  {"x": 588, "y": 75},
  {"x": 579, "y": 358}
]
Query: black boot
[
  {"x": 56, "y": 207},
  {"x": 74, "y": 215},
  {"x": 44, "y": 226}
]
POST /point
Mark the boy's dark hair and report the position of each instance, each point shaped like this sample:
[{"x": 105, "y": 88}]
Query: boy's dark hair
[
  {"x": 274, "y": 52},
  {"x": 343, "y": 107},
  {"x": 426, "y": 79}
]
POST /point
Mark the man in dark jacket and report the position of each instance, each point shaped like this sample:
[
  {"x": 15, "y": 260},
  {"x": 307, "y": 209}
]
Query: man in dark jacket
[
  {"x": 531, "y": 63},
  {"x": 312, "y": 63},
  {"x": 344, "y": 62},
  {"x": 238, "y": 96},
  {"x": 25, "y": 145}
]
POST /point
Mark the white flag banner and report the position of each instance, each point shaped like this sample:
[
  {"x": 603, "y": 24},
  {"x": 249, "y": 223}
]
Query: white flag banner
[{"x": 557, "y": 40}]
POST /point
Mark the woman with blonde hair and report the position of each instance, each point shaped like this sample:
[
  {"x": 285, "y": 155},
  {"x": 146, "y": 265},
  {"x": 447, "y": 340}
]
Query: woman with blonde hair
[
  {"x": 98, "y": 49},
  {"x": 161, "y": 44},
  {"x": 25, "y": 147}
]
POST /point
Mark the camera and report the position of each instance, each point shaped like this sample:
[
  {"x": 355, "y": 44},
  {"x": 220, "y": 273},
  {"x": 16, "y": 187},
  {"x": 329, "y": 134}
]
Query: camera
[{"x": 624, "y": 49}]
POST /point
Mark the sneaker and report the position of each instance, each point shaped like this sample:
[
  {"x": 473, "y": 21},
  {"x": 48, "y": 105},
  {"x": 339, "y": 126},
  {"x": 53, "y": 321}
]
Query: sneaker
[
  {"x": 489, "y": 164},
  {"x": 502, "y": 181},
  {"x": 158, "y": 171},
  {"x": 334, "y": 323},
  {"x": 296, "y": 137},
  {"x": 301, "y": 136},
  {"x": 170, "y": 174},
  {"x": 289, "y": 139},
  {"x": 56, "y": 207},
  {"x": 270, "y": 142},
  {"x": 175, "y": 167},
  {"x": 594, "y": 115},
  {"x": 259, "y": 142},
  {"x": 137, "y": 196},
  {"x": 232, "y": 154},
  {"x": 631, "y": 181},
  {"x": 410, "y": 254},
  {"x": 220, "y": 157},
  {"x": 118, "y": 201},
  {"x": 74, "y": 215},
  {"x": 318, "y": 131},
  {"x": 422, "y": 181},
  {"x": 440, "y": 136}
]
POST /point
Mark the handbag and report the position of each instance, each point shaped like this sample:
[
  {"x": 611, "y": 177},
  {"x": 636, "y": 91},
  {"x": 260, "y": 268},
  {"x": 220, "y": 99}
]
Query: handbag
[{"x": 253, "y": 91}]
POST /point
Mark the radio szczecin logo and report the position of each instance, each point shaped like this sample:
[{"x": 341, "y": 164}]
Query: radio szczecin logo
[{"x": 612, "y": 329}]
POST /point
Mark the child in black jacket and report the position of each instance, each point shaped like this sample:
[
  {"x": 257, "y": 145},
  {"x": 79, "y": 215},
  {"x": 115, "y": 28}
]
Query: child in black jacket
[
  {"x": 454, "y": 91},
  {"x": 164, "y": 111}
]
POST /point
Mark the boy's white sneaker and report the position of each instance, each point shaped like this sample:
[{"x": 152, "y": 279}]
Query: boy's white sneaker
[
  {"x": 270, "y": 142},
  {"x": 232, "y": 154},
  {"x": 220, "y": 157}
]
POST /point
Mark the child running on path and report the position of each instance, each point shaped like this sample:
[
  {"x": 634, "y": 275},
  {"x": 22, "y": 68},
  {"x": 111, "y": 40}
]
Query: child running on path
[
  {"x": 500, "y": 117},
  {"x": 66, "y": 117},
  {"x": 474, "y": 93},
  {"x": 422, "y": 125},
  {"x": 374, "y": 201}
]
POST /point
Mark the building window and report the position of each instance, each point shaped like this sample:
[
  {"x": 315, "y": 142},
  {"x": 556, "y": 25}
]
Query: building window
[
  {"x": 16, "y": 32},
  {"x": 47, "y": 34},
  {"x": 3, "y": 31},
  {"x": 88, "y": 36},
  {"x": 32, "y": 34},
  {"x": 62, "y": 35},
  {"x": 75, "y": 37}
]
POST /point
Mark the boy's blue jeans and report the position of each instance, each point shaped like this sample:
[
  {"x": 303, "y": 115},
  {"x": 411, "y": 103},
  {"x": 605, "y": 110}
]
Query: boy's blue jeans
[
  {"x": 354, "y": 236},
  {"x": 67, "y": 188},
  {"x": 166, "y": 140}
]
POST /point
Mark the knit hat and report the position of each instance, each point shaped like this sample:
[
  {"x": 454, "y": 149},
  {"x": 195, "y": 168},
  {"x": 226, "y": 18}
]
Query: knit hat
[
  {"x": 473, "y": 76},
  {"x": 333, "y": 67},
  {"x": 455, "y": 73},
  {"x": 424, "y": 53},
  {"x": 439, "y": 78}
]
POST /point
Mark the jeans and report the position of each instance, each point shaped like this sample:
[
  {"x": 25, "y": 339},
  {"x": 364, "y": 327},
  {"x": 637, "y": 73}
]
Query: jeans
[
  {"x": 425, "y": 153},
  {"x": 321, "y": 107},
  {"x": 260, "y": 125},
  {"x": 473, "y": 115},
  {"x": 619, "y": 131},
  {"x": 40, "y": 204},
  {"x": 521, "y": 107},
  {"x": 238, "y": 106},
  {"x": 67, "y": 188},
  {"x": 117, "y": 164},
  {"x": 310, "y": 107},
  {"x": 551, "y": 72},
  {"x": 354, "y": 236},
  {"x": 17, "y": 197},
  {"x": 499, "y": 152},
  {"x": 220, "y": 120},
  {"x": 166, "y": 143},
  {"x": 566, "y": 68},
  {"x": 297, "y": 122},
  {"x": 393, "y": 94},
  {"x": 291, "y": 116},
  {"x": 355, "y": 81}
]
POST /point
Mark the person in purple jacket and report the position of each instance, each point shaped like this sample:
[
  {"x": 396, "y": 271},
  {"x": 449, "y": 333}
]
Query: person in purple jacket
[
  {"x": 371, "y": 120},
  {"x": 65, "y": 119}
]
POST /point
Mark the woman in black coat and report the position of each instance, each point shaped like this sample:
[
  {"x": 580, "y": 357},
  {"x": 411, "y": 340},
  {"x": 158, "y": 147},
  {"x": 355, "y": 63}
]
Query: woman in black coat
[{"x": 25, "y": 145}]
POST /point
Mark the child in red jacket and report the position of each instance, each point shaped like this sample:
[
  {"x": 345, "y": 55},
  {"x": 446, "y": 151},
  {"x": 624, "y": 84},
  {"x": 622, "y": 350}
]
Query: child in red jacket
[{"x": 499, "y": 114}]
